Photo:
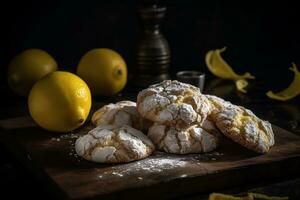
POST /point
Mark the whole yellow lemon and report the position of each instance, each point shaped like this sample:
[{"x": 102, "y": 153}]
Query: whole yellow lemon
[
  {"x": 104, "y": 70},
  {"x": 28, "y": 67},
  {"x": 60, "y": 102}
]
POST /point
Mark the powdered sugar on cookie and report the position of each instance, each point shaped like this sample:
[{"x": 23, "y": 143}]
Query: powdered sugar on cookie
[
  {"x": 112, "y": 144},
  {"x": 191, "y": 140},
  {"x": 245, "y": 128},
  {"x": 118, "y": 114},
  {"x": 173, "y": 103}
]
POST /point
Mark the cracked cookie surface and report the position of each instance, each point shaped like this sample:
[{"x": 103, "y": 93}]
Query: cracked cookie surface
[
  {"x": 119, "y": 114},
  {"x": 173, "y": 103},
  {"x": 243, "y": 126},
  {"x": 193, "y": 139},
  {"x": 217, "y": 103},
  {"x": 112, "y": 144}
]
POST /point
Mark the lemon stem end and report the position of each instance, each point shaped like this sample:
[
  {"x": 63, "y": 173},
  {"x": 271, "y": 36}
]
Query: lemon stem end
[{"x": 119, "y": 72}]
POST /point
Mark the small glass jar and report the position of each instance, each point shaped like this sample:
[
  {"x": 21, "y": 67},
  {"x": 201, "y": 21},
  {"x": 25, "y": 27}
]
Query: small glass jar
[{"x": 195, "y": 78}]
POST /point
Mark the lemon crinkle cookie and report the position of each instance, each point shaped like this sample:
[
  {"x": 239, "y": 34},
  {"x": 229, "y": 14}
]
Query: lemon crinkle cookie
[
  {"x": 241, "y": 125},
  {"x": 173, "y": 103},
  {"x": 217, "y": 103},
  {"x": 112, "y": 144},
  {"x": 119, "y": 114},
  {"x": 193, "y": 139}
]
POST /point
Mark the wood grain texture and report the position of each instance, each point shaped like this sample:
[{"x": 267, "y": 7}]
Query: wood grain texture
[{"x": 52, "y": 159}]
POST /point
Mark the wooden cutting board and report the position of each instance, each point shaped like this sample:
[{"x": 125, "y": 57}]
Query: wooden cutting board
[{"x": 52, "y": 159}]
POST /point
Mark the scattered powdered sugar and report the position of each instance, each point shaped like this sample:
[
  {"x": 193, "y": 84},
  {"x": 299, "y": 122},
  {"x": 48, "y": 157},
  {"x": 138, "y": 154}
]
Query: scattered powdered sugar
[
  {"x": 151, "y": 166},
  {"x": 117, "y": 174},
  {"x": 68, "y": 136},
  {"x": 160, "y": 164},
  {"x": 70, "y": 139},
  {"x": 212, "y": 156},
  {"x": 154, "y": 165},
  {"x": 73, "y": 154}
]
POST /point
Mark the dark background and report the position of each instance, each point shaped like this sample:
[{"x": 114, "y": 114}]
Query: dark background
[{"x": 262, "y": 37}]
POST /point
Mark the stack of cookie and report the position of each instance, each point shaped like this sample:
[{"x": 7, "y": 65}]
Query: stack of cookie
[
  {"x": 177, "y": 119},
  {"x": 179, "y": 114}
]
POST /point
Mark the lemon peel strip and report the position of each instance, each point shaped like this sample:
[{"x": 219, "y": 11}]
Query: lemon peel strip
[
  {"x": 291, "y": 91},
  {"x": 220, "y": 68},
  {"x": 266, "y": 197},
  {"x": 219, "y": 196},
  {"x": 250, "y": 196}
]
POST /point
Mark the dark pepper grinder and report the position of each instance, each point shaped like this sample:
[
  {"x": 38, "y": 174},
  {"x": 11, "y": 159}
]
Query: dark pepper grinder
[{"x": 153, "y": 52}]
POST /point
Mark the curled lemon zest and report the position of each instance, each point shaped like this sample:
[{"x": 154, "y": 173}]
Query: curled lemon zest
[
  {"x": 291, "y": 91},
  {"x": 220, "y": 68},
  {"x": 241, "y": 84}
]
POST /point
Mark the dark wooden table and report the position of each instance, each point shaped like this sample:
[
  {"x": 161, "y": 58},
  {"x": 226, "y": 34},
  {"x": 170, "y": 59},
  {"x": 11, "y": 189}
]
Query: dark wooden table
[{"x": 17, "y": 181}]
